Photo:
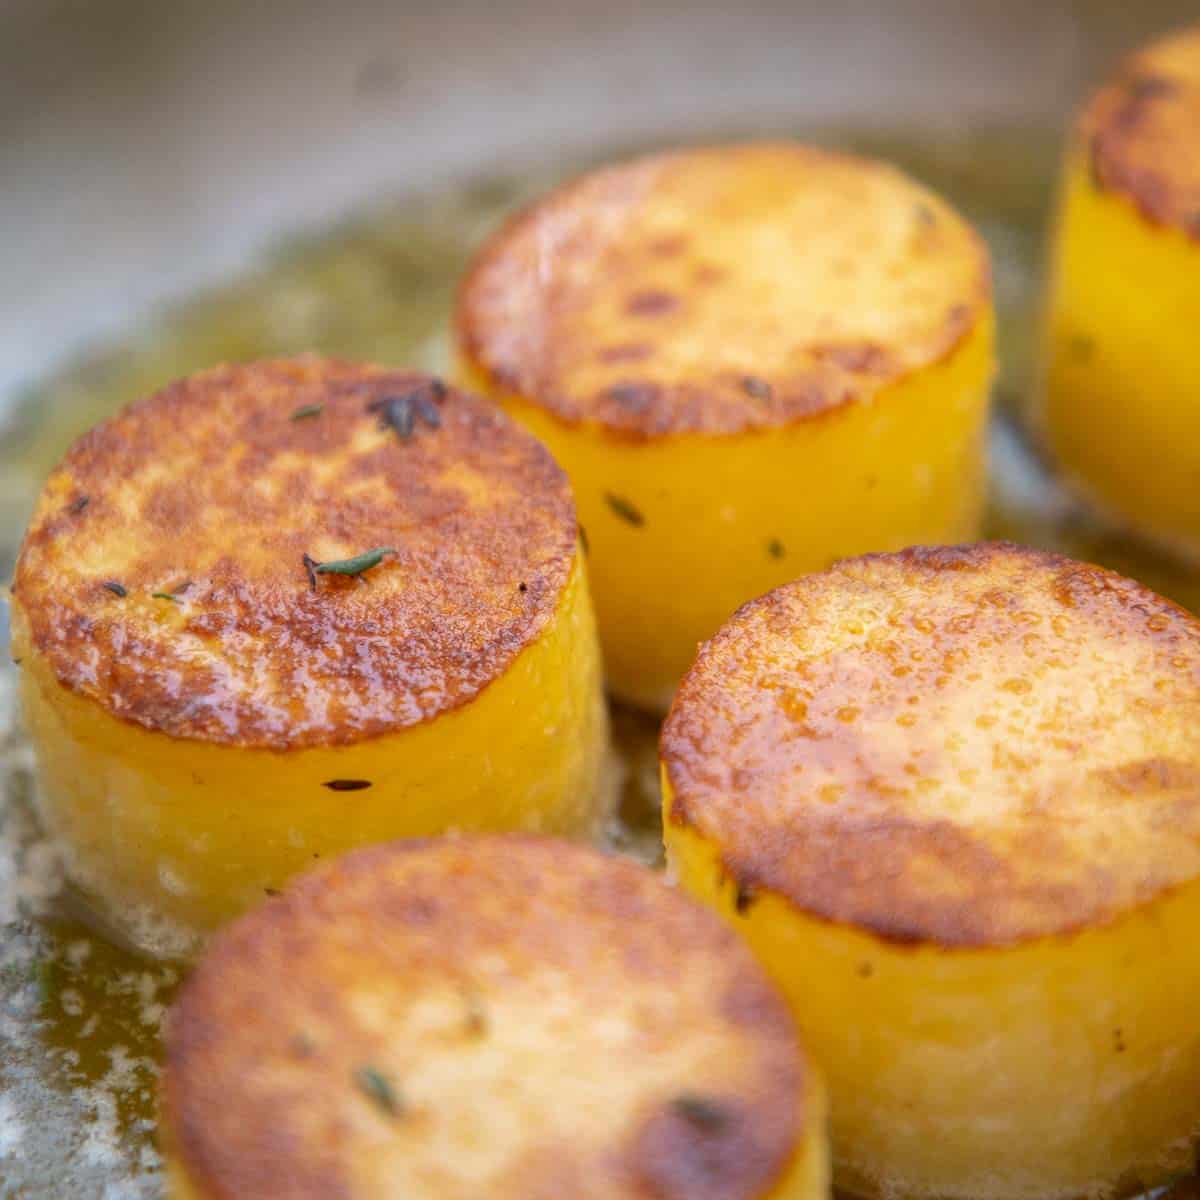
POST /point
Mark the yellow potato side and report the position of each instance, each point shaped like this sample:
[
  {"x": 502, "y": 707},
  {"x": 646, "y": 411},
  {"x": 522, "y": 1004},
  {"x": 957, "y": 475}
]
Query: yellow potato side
[
  {"x": 989, "y": 1074},
  {"x": 136, "y": 807},
  {"x": 1119, "y": 412},
  {"x": 751, "y": 359},
  {"x": 718, "y": 520}
]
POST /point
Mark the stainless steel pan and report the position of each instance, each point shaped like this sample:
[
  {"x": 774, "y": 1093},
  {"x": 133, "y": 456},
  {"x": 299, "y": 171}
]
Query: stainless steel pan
[{"x": 147, "y": 150}]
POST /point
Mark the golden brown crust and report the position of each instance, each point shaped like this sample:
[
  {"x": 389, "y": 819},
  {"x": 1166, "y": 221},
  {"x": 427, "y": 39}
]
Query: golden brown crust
[
  {"x": 967, "y": 746},
  {"x": 549, "y": 1021},
  {"x": 719, "y": 290},
  {"x": 1142, "y": 132},
  {"x": 213, "y": 484}
]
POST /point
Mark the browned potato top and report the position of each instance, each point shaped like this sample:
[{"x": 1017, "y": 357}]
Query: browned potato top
[
  {"x": 721, "y": 289},
  {"x": 966, "y": 746},
  {"x": 482, "y": 1017},
  {"x": 1143, "y": 131},
  {"x": 213, "y": 492}
]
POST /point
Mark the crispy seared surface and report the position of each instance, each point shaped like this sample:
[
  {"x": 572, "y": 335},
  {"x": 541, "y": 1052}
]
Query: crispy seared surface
[
  {"x": 1142, "y": 130},
  {"x": 549, "y": 1022},
  {"x": 722, "y": 289},
  {"x": 967, "y": 746},
  {"x": 210, "y": 490}
]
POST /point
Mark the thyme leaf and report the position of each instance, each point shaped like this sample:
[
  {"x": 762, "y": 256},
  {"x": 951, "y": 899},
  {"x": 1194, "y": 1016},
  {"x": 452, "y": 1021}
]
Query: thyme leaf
[
  {"x": 305, "y": 411},
  {"x": 757, "y": 389},
  {"x": 378, "y": 1089},
  {"x": 625, "y": 510},
  {"x": 355, "y": 565}
]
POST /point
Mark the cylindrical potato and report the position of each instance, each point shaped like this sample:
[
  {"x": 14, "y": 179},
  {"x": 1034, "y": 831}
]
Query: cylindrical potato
[
  {"x": 751, "y": 360},
  {"x": 1118, "y": 411},
  {"x": 503, "y": 1017},
  {"x": 214, "y": 708},
  {"x": 952, "y": 798}
]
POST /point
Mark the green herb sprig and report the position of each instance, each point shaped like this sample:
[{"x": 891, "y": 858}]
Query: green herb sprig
[
  {"x": 376, "y": 1086},
  {"x": 175, "y": 595},
  {"x": 627, "y": 511},
  {"x": 345, "y": 566}
]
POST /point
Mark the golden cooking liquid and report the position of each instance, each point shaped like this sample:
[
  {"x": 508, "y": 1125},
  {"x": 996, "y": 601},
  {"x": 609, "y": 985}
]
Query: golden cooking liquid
[{"x": 79, "y": 1016}]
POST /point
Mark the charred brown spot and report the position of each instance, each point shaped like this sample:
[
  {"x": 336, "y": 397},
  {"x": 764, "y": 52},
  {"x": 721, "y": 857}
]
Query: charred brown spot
[
  {"x": 651, "y": 303},
  {"x": 1154, "y": 775},
  {"x": 1138, "y": 133},
  {"x": 633, "y": 398},
  {"x": 628, "y": 352},
  {"x": 958, "y": 320},
  {"x": 1082, "y": 586},
  {"x": 864, "y": 357},
  {"x": 669, "y": 247},
  {"x": 347, "y": 785},
  {"x": 947, "y": 558},
  {"x": 1152, "y": 87},
  {"x": 475, "y": 1022},
  {"x": 698, "y": 1148},
  {"x": 703, "y": 1112},
  {"x": 406, "y": 909}
]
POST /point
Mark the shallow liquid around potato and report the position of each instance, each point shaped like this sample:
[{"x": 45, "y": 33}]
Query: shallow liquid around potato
[{"x": 79, "y": 1018}]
